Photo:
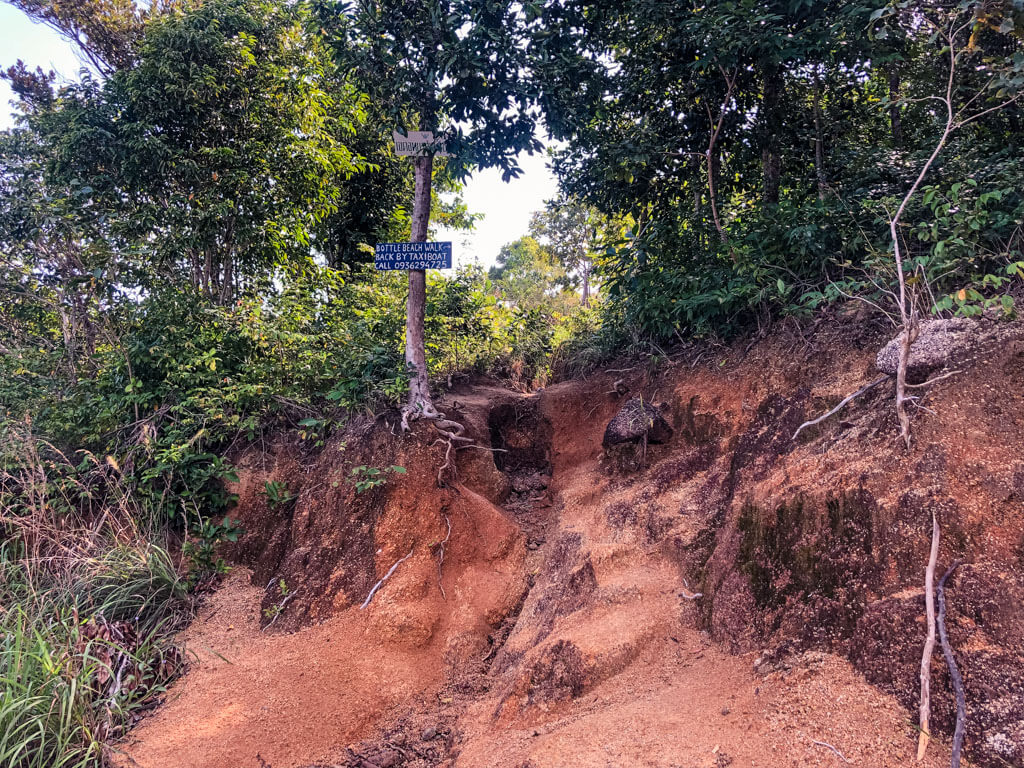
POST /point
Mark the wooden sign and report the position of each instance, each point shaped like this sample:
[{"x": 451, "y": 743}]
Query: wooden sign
[
  {"x": 418, "y": 144},
  {"x": 412, "y": 256}
]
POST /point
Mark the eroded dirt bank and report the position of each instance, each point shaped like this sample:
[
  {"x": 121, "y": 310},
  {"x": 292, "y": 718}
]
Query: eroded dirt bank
[{"x": 568, "y": 632}]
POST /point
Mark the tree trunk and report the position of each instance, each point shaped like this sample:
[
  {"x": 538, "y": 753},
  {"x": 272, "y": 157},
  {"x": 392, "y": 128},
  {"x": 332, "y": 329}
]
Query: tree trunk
[
  {"x": 712, "y": 164},
  {"x": 586, "y": 283},
  {"x": 420, "y": 403},
  {"x": 895, "y": 120},
  {"x": 819, "y": 143},
  {"x": 771, "y": 160}
]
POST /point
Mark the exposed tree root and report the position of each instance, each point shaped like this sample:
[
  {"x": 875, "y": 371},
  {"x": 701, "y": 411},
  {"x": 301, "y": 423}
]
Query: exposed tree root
[
  {"x": 835, "y": 751},
  {"x": 380, "y": 583},
  {"x": 440, "y": 561},
  {"x": 929, "y": 643},
  {"x": 954, "y": 671},
  {"x": 842, "y": 404},
  {"x": 933, "y": 380}
]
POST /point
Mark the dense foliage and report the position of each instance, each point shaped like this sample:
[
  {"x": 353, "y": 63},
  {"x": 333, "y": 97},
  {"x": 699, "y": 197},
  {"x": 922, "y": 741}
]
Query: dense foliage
[{"x": 760, "y": 147}]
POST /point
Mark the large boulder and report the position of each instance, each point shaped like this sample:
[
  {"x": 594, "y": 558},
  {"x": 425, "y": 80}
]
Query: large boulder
[
  {"x": 938, "y": 343},
  {"x": 635, "y": 420}
]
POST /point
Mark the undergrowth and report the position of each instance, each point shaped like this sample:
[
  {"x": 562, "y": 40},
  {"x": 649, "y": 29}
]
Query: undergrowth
[{"x": 89, "y": 605}]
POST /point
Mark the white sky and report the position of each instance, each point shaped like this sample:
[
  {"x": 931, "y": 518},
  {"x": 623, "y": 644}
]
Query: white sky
[{"x": 506, "y": 207}]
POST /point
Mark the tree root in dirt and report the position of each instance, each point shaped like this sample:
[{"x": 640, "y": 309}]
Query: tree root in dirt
[
  {"x": 842, "y": 404},
  {"x": 380, "y": 583},
  {"x": 440, "y": 561},
  {"x": 867, "y": 388},
  {"x": 835, "y": 751},
  {"x": 954, "y": 671}
]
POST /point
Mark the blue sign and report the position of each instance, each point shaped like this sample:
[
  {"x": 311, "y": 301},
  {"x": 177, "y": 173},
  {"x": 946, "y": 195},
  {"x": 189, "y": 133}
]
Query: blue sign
[{"x": 413, "y": 256}]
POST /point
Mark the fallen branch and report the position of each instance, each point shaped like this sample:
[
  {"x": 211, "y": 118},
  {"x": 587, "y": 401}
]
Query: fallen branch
[
  {"x": 954, "y": 671},
  {"x": 835, "y": 751},
  {"x": 849, "y": 398},
  {"x": 929, "y": 643},
  {"x": 380, "y": 583}
]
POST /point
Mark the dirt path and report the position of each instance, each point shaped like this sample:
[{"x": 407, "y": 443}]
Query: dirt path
[
  {"x": 286, "y": 699},
  {"x": 600, "y": 668}
]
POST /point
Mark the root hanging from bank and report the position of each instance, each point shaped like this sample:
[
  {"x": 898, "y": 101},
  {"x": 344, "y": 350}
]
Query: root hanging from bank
[
  {"x": 387, "y": 576},
  {"x": 929, "y": 643},
  {"x": 954, "y": 671},
  {"x": 440, "y": 560},
  {"x": 843, "y": 403}
]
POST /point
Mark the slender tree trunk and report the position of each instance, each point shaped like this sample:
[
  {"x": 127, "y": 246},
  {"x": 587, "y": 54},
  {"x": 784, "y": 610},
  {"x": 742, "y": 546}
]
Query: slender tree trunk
[
  {"x": 586, "y": 282},
  {"x": 420, "y": 403},
  {"x": 771, "y": 160},
  {"x": 227, "y": 282},
  {"x": 819, "y": 143},
  {"x": 207, "y": 272},
  {"x": 895, "y": 120},
  {"x": 711, "y": 154}
]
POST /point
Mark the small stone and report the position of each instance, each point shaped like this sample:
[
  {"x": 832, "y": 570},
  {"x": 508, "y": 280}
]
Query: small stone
[
  {"x": 532, "y": 545},
  {"x": 428, "y": 734},
  {"x": 387, "y": 759},
  {"x": 725, "y": 711}
]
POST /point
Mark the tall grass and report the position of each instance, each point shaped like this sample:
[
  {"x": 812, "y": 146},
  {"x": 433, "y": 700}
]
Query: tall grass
[{"x": 88, "y": 608}]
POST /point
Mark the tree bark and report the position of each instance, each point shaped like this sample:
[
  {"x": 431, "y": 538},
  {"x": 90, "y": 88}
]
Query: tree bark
[
  {"x": 895, "y": 120},
  {"x": 419, "y": 403},
  {"x": 819, "y": 142},
  {"x": 587, "y": 266},
  {"x": 771, "y": 160}
]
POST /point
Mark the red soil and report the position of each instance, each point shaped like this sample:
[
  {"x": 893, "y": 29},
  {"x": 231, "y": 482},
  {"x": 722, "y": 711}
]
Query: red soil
[{"x": 566, "y": 636}]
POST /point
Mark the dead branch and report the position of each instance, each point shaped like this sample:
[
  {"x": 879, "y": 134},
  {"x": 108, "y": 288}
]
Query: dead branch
[
  {"x": 929, "y": 643},
  {"x": 835, "y": 751},
  {"x": 387, "y": 575},
  {"x": 842, "y": 404},
  {"x": 440, "y": 562},
  {"x": 954, "y": 671}
]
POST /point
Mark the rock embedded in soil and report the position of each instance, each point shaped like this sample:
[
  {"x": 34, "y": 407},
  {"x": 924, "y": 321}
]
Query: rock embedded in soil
[
  {"x": 938, "y": 343},
  {"x": 635, "y": 420}
]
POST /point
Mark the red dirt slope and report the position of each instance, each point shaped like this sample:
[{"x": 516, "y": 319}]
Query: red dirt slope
[{"x": 569, "y": 633}]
